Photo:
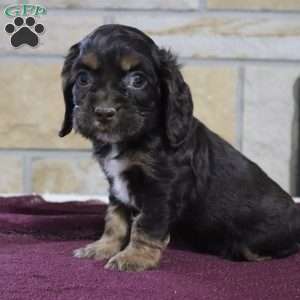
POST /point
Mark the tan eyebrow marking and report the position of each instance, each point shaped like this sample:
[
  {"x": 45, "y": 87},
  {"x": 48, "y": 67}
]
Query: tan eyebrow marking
[
  {"x": 91, "y": 60},
  {"x": 128, "y": 62}
]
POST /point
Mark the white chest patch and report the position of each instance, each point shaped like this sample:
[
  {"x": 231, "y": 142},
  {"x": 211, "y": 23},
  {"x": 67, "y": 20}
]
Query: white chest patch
[{"x": 114, "y": 168}]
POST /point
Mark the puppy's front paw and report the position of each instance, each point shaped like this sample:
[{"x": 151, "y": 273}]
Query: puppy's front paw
[
  {"x": 99, "y": 250},
  {"x": 133, "y": 260}
]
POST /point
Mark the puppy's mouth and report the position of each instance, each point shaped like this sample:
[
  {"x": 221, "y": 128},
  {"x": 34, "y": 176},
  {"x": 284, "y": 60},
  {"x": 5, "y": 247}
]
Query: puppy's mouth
[
  {"x": 103, "y": 125},
  {"x": 108, "y": 129}
]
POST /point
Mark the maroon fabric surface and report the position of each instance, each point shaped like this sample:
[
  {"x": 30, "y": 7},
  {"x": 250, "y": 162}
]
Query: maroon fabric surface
[{"x": 36, "y": 243}]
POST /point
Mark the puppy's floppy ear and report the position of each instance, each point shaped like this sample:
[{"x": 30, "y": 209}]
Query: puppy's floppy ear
[
  {"x": 176, "y": 98},
  {"x": 67, "y": 90}
]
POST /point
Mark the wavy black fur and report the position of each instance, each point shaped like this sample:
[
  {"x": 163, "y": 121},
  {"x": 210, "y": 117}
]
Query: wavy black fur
[{"x": 180, "y": 175}]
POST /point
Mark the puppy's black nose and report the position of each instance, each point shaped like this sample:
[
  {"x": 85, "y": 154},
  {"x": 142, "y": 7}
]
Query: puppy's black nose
[{"x": 105, "y": 113}]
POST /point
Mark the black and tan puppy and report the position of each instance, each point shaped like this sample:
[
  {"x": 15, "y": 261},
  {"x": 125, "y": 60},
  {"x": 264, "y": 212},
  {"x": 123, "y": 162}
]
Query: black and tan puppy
[{"x": 166, "y": 170}]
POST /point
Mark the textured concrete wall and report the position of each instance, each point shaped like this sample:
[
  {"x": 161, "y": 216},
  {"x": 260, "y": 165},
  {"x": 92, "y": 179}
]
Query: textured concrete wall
[{"x": 241, "y": 59}]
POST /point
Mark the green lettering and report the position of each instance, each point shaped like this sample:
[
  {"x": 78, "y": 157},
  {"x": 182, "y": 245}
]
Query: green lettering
[
  {"x": 39, "y": 11},
  {"x": 24, "y": 10},
  {"x": 28, "y": 9},
  {"x": 12, "y": 11}
]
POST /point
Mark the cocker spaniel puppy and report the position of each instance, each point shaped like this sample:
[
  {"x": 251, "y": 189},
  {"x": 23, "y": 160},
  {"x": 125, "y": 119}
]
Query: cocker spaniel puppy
[{"x": 166, "y": 170}]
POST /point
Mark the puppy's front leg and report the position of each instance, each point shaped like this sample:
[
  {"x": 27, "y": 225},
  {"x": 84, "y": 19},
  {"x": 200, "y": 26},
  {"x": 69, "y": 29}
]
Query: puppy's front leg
[
  {"x": 114, "y": 236},
  {"x": 144, "y": 249}
]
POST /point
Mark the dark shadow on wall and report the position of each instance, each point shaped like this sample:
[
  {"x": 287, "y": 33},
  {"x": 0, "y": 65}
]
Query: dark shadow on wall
[{"x": 295, "y": 161}]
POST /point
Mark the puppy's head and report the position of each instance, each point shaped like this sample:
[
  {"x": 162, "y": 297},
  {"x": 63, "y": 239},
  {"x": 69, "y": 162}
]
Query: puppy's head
[{"x": 118, "y": 85}]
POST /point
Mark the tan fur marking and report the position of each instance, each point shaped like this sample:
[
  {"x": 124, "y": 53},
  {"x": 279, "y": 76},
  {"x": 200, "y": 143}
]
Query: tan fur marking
[
  {"x": 116, "y": 224},
  {"x": 113, "y": 238},
  {"x": 90, "y": 60},
  {"x": 141, "y": 254},
  {"x": 251, "y": 256},
  {"x": 128, "y": 62},
  {"x": 144, "y": 161}
]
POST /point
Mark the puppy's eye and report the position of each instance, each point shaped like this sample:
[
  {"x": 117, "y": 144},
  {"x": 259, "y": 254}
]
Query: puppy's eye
[
  {"x": 84, "y": 78},
  {"x": 136, "y": 81}
]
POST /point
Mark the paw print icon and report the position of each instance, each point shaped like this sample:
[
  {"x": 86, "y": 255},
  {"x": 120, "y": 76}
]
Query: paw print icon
[{"x": 24, "y": 32}]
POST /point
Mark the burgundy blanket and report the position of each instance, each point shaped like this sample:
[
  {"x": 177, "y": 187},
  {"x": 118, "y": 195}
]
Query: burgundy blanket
[{"x": 36, "y": 243}]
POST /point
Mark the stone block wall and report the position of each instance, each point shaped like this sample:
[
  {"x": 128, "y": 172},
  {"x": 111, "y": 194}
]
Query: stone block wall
[{"x": 241, "y": 59}]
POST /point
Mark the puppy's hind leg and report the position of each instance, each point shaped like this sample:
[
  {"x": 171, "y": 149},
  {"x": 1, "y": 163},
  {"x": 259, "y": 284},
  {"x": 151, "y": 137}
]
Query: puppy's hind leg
[
  {"x": 251, "y": 256},
  {"x": 114, "y": 236}
]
